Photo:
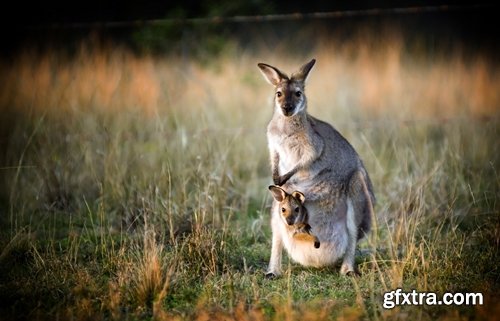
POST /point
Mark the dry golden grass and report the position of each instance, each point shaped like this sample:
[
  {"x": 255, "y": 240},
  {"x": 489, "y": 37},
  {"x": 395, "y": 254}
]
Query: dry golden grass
[{"x": 359, "y": 74}]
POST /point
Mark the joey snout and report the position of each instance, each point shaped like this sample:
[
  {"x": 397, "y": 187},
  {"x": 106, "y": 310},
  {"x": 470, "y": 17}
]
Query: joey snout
[{"x": 290, "y": 221}]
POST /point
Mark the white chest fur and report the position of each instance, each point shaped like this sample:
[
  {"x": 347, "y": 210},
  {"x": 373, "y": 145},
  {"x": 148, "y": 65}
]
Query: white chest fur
[{"x": 293, "y": 150}]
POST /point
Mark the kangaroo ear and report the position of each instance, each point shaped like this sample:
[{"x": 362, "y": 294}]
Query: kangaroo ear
[
  {"x": 273, "y": 75},
  {"x": 301, "y": 75},
  {"x": 278, "y": 193},
  {"x": 298, "y": 195}
]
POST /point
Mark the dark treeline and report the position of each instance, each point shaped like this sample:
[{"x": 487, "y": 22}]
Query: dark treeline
[
  {"x": 64, "y": 25},
  {"x": 57, "y": 11}
]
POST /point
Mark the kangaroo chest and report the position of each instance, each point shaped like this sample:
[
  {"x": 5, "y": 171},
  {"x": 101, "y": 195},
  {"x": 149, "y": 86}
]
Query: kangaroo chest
[
  {"x": 292, "y": 149},
  {"x": 294, "y": 140}
]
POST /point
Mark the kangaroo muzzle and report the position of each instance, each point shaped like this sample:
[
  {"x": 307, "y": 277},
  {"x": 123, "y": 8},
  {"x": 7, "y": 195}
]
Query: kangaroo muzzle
[{"x": 287, "y": 109}]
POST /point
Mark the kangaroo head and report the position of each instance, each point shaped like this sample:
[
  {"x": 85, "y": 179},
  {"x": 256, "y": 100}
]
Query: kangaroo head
[
  {"x": 291, "y": 208},
  {"x": 289, "y": 91}
]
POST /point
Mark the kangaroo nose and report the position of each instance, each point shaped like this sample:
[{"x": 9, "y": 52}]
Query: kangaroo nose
[
  {"x": 287, "y": 109},
  {"x": 290, "y": 221}
]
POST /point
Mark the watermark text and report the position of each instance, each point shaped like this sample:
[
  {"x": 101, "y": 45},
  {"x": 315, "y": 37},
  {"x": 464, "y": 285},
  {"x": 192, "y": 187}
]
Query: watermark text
[{"x": 399, "y": 297}]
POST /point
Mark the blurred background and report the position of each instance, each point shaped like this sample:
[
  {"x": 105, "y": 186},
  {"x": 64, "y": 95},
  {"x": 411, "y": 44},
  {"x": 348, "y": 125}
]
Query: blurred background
[
  {"x": 369, "y": 49},
  {"x": 373, "y": 55},
  {"x": 404, "y": 60}
]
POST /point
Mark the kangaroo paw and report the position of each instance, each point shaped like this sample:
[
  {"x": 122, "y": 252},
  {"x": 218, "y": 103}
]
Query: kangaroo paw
[
  {"x": 353, "y": 274},
  {"x": 349, "y": 271},
  {"x": 271, "y": 275}
]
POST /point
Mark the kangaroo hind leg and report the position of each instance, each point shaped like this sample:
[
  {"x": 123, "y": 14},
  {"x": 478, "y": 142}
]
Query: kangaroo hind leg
[
  {"x": 359, "y": 216},
  {"x": 348, "y": 266}
]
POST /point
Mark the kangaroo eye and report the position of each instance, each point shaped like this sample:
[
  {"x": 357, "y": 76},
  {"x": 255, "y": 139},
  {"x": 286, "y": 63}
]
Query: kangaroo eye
[
  {"x": 279, "y": 94},
  {"x": 296, "y": 210},
  {"x": 298, "y": 93},
  {"x": 283, "y": 210}
]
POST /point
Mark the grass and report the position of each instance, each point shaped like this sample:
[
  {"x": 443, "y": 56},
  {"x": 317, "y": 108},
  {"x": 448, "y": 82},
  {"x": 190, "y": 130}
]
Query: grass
[{"x": 134, "y": 187}]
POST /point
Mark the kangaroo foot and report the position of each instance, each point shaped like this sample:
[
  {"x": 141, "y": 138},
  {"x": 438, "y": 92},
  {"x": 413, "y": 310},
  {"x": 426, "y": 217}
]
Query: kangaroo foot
[
  {"x": 271, "y": 275},
  {"x": 349, "y": 270}
]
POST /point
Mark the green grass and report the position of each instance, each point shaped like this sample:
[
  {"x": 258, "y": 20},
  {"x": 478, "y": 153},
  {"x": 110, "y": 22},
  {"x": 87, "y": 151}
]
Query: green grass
[{"x": 159, "y": 210}]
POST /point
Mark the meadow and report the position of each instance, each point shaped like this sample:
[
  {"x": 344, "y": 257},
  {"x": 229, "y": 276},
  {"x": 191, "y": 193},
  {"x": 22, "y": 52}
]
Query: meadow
[{"x": 134, "y": 187}]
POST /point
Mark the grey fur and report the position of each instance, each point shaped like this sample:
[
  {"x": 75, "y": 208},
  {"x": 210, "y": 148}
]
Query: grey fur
[{"x": 310, "y": 156}]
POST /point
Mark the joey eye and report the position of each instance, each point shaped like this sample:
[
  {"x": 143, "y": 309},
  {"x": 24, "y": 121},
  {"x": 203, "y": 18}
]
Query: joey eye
[
  {"x": 279, "y": 94},
  {"x": 298, "y": 93},
  {"x": 283, "y": 210},
  {"x": 296, "y": 210}
]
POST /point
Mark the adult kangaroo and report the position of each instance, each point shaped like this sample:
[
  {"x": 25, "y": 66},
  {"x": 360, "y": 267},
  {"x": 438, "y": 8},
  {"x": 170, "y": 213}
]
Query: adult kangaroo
[{"x": 310, "y": 156}]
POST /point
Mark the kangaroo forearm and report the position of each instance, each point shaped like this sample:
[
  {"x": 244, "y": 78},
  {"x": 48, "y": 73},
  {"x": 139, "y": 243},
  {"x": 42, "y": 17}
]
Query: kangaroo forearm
[
  {"x": 276, "y": 177},
  {"x": 303, "y": 165},
  {"x": 308, "y": 158},
  {"x": 275, "y": 168},
  {"x": 284, "y": 178}
]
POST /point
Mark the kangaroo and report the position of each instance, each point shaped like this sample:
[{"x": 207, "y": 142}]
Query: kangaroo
[
  {"x": 294, "y": 214},
  {"x": 309, "y": 155}
]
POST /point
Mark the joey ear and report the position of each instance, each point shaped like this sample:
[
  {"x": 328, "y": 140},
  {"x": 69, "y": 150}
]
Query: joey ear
[
  {"x": 278, "y": 193},
  {"x": 298, "y": 195},
  {"x": 303, "y": 72},
  {"x": 272, "y": 74}
]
